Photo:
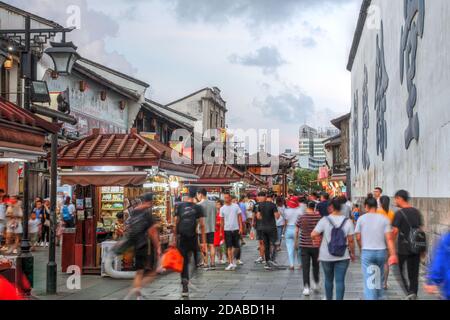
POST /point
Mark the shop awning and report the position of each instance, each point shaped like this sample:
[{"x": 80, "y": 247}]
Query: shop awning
[
  {"x": 183, "y": 175},
  {"x": 102, "y": 179},
  {"x": 22, "y": 132}
]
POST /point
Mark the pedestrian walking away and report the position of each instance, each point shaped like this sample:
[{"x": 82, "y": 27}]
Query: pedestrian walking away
[
  {"x": 188, "y": 216},
  {"x": 337, "y": 248},
  {"x": 210, "y": 212},
  {"x": 385, "y": 210},
  {"x": 411, "y": 242},
  {"x": 267, "y": 215},
  {"x": 322, "y": 206},
  {"x": 292, "y": 213},
  {"x": 281, "y": 222},
  {"x": 309, "y": 249},
  {"x": 374, "y": 235}
]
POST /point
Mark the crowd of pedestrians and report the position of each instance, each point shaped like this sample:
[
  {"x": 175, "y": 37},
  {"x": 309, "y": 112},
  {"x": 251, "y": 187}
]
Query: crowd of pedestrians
[
  {"x": 319, "y": 233},
  {"x": 12, "y": 224}
]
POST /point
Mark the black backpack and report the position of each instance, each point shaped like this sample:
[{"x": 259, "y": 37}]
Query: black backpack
[
  {"x": 417, "y": 239},
  {"x": 187, "y": 222},
  {"x": 338, "y": 243}
]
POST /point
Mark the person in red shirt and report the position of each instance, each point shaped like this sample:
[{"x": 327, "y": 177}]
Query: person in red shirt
[{"x": 218, "y": 236}]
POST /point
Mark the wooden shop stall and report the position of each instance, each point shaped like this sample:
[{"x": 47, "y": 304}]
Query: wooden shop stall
[{"x": 108, "y": 171}]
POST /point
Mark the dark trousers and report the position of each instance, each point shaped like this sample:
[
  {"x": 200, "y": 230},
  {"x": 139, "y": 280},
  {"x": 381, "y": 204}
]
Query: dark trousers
[
  {"x": 45, "y": 234},
  {"x": 412, "y": 266},
  {"x": 310, "y": 255},
  {"x": 270, "y": 238},
  {"x": 187, "y": 245},
  {"x": 69, "y": 223}
]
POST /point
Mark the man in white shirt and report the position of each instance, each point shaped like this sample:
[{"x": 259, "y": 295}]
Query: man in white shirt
[{"x": 231, "y": 223}]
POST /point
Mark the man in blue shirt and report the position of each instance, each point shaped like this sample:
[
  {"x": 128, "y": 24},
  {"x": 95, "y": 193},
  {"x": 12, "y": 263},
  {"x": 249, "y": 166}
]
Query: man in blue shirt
[
  {"x": 322, "y": 206},
  {"x": 438, "y": 278}
]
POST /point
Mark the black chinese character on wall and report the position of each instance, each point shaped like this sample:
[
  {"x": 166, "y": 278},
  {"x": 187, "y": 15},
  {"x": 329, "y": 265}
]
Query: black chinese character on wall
[
  {"x": 366, "y": 121},
  {"x": 356, "y": 132},
  {"x": 414, "y": 13},
  {"x": 381, "y": 86}
]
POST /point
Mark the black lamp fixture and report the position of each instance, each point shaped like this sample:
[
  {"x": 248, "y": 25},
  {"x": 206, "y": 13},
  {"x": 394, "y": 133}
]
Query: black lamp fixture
[{"x": 64, "y": 56}]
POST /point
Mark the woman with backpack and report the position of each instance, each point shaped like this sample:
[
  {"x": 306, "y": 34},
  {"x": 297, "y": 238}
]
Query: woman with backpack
[{"x": 337, "y": 248}]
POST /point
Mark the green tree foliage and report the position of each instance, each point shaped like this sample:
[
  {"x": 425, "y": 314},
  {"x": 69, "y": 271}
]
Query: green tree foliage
[{"x": 304, "y": 181}]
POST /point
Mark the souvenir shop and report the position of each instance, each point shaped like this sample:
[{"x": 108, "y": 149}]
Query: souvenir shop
[{"x": 109, "y": 173}]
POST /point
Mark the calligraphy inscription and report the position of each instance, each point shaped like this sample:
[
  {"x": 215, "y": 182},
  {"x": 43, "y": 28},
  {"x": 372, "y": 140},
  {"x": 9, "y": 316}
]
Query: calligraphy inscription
[
  {"x": 381, "y": 86},
  {"x": 414, "y": 13},
  {"x": 356, "y": 132},
  {"x": 366, "y": 121}
]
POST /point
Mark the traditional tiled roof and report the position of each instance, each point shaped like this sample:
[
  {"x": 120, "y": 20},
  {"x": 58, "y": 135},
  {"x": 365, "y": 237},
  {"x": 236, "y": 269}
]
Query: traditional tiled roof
[
  {"x": 218, "y": 172},
  {"x": 224, "y": 173},
  {"x": 128, "y": 149},
  {"x": 16, "y": 115},
  {"x": 169, "y": 115}
]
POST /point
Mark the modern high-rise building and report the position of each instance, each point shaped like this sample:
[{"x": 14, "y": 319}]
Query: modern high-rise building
[{"x": 311, "y": 146}]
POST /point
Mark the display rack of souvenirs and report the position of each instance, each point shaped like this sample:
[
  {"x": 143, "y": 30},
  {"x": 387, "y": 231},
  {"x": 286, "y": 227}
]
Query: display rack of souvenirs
[{"x": 112, "y": 199}]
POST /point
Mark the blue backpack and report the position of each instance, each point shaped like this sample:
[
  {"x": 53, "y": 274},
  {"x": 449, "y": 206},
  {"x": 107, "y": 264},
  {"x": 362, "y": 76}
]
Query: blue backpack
[
  {"x": 66, "y": 213},
  {"x": 338, "y": 242}
]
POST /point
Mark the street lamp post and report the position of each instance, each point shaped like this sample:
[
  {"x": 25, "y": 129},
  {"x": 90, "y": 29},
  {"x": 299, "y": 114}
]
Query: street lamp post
[{"x": 64, "y": 56}]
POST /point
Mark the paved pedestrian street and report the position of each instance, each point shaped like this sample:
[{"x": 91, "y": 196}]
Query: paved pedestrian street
[{"x": 248, "y": 282}]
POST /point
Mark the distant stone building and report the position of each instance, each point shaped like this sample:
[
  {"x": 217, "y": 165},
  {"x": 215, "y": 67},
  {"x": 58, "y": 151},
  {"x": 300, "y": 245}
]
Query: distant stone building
[
  {"x": 400, "y": 123},
  {"x": 205, "y": 105}
]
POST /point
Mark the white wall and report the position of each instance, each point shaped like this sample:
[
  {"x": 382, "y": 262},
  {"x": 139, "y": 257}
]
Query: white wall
[{"x": 423, "y": 169}]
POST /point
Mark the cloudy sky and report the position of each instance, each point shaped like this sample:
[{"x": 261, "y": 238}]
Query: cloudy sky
[{"x": 279, "y": 63}]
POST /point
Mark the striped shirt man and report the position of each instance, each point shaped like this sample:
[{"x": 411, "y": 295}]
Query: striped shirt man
[{"x": 306, "y": 224}]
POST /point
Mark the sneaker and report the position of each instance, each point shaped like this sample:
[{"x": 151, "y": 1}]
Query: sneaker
[
  {"x": 212, "y": 268},
  {"x": 41, "y": 244},
  {"x": 14, "y": 251},
  {"x": 306, "y": 292},
  {"x": 239, "y": 263},
  {"x": 411, "y": 297},
  {"x": 315, "y": 286},
  {"x": 185, "y": 291},
  {"x": 273, "y": 264},
  {"x": 46, "y": 244},
  {"x": 259, "y": 260},
  {"x": 268, "y": 267},
  {"x": 133, "y": 292},
  {"x": 230, "y": 267},
  {"x": 222, "y": 262}
]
